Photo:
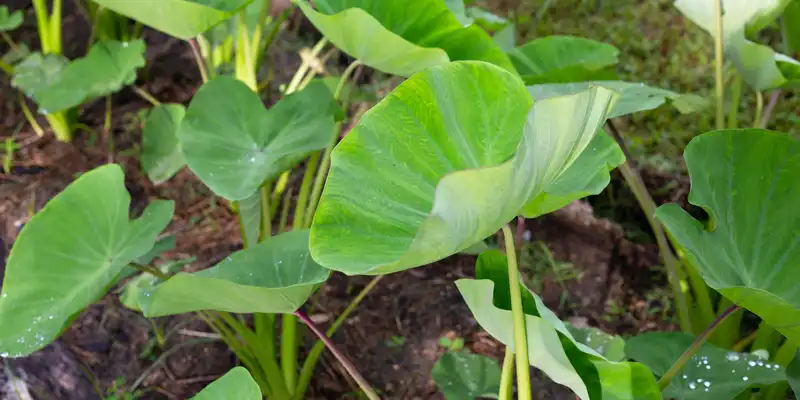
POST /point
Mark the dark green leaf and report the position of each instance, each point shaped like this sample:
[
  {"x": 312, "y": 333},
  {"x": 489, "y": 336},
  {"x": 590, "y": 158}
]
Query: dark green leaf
[
  {"x": 466, "y": 376},
  {"x": 161, "y": 151},
  {"x": 712, "y": 373},
  {"x": 235, "y": 145},
  {"x": 750, "y": 253},
  {"x": 612, "y": 347},
  {"x": 561, "y": 59},
  {"x": 68, "y": 254}
]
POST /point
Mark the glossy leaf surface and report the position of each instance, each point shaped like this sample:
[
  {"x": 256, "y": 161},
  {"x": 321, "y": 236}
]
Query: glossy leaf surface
[
  {"x": 759, "y": 64},
  {"x": 183, "y": 19},
  {"x": 235, "y": 145},
  {"x": 712, "y": 373},
  {"x": 551, "y": 346},
  {"x": 466, "y": 376},
  {"x": 236, "y": 384},
  {"x": 56, "y": 86},
  {"x": 274, "y": 276},
  {"x": 612, "y": 347},
  {"x": 68, "y": 254},
  {"x": 161, "y": 151},
  {"x": 401, "y": 37},
  {"x": 444, "y": 161},
  {"x": 10, "y": 20},
  {"x": 750, "y": 254},
  {"x": 562, "y": 59}
]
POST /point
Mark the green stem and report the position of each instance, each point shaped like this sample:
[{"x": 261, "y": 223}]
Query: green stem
[
  {"x": 55, "y": 28},
  {"x": 305, "y": 189},
  {"x": 245, "y": 70},
  {"x": 264, "y": 325},
  {"x": 284, "y": 218},
  {"x": 520, "y": 332},
  {"x": 507, "y": 378},
  {"x": 42, "y": 23},
  {"x": 29, "y": 116},
  {"x": 741, "y": 345},
  {"x": 736, "y": 97},
  {"x": 6, "y": 67},
  {"x": 198, "y": 59},
  {"x": 296, "y": 81},
  {"x": 265, "y": 226},
  {"x": 60, "y": 125},
  {"x": 766, "y": 338},
  {"x": 759, "y": 109},
  {"x": 773, "y": 101},
  {"x": 146, "y": 96},
  {"x": 149, "y": 269},
  {"x": 348, "y": 366},
  {"x": 698, "y": 342},
  {"x": 729, "y": 331},
  {"x": 11, "y": 43},
  {"x": 316, "y": 351},
  {"x": 719, "y": 61},
  {"x": 289, "y": 349}
]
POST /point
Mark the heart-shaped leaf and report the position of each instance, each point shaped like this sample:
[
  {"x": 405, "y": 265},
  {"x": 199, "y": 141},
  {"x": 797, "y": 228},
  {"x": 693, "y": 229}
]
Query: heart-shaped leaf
[
  {"x": 561, "y": 59},
  {"x": 757, "y": 63},
  {"x": 633, "y": 97},
  {"x": 236, "y": 384},
  {"x": 235, "y": 145},
  {"x": 401, "y": 37},
  {"x": 274, "y": 276},
  {"x": 712, "y": 373},
  {"x": 161, "y": 151},
  {"x": 750, "y": 253},
  {"x": 466, "y": 376},
  {"x": 444, "y": 161},
  {"x": 67, "y": 255},
  {"x": 107, "y": 68},
  {"x": 8, "y": 20},
  {"x": 183, "y": 19},
  {"x": 588, "y": 175},
  {"x": 551, "y": 346}
]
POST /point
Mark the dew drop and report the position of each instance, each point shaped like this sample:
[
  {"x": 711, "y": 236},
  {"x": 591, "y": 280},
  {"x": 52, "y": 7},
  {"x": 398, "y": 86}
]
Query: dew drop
[
  {"x": 732, "y": 356},
  {"x": 692, "y": 385},
  {"x": 751, "y": 363},
  {"x": 707, "y": 383},
  {"x": 744, "y": 378},
  {"x": 708, "y": 367}
]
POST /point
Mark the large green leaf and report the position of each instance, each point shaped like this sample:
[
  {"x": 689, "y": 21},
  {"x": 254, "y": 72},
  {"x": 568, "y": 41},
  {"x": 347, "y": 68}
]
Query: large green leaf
[
  {"x": 234, "y": 144},
  {"x": 466, "y": 376},
  {"x": 236, "y": 384},
  {"x": 633, "y": 97},
  {"x": 588, "y": 175},
  {"x": 67, "y": 255},
  {"x": 607, "y": 345},
  {"x": 161, "y": 151},
  {"x": 759, "y": 65},
  {"x": 274, "y": 276},
  {"x": 441, "y": 163},
  {"x": 551, "y": 346},
  {"x": 8, "y": 20},
  {"x": 747, "y": 182},
  {"x": 712, "y": 373},
  {"x": 184, "y": 19},
  {"x": 561, "y": 59},
  {"x": 401, "y": 37},
  {"x": 107, "y": 68}
]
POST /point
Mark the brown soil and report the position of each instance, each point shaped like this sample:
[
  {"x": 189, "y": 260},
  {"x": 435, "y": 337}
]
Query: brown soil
[{"x": 393, "y": 337}]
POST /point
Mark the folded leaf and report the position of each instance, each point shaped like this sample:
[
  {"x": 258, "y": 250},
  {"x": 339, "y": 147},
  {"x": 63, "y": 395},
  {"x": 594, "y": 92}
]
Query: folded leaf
[
  {"x": 757, "y": 63},
  {"x": 401, "y": 37},
  {"x": 561, "y": 59},
  {"x": 443, "y": 162},
  {"x": 551, "y": 346},
  {"x": 750, "y": 251},
  {"x": 68, "y": 254},
  {"x": 161, "y": 151},
  {"x": 712, "y": 373},
  {"x": 274, "y": 276},
  {"x": 141, "y": 285},
  {"x": 183, "y": 19},
  {"x": 466, "y": 376},
  {"x": 56, "y": 86},
  {"x": 235, "y": 145},
  {"x": 236, "y": 384}
]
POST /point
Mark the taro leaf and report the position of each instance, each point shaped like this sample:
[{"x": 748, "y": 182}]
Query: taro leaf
[
  {"x": 183, "y": 19},
  {"x": 274, "y": 276},
  {"x": 757, "y": 63},
  {"x": 459, "y": 11},
  {"x": 68, "y": 254},
  {"x": 588, "y": 175},
  {"x": 161, "y": 246},
  {"x": 144, "y": 282},
  {"x": 236, "y": 384},
  {"x": 466, "y": 376},
  {"x": 561, "y": 59},
  {"x": 793, "y": 375},
  {"x": 235, "y": 145},
  {"x": 612, "y": 347},
  {"x": 441, "y": 163},
  {"x": 791, "y": 26},
  {"x": 54, "y": 86},
  {"x": 751, "y": 253},
  {"x": 489, "y": 21},
  {"x": 506, "y": 38},
  {"x": 161, "y": 151},
  {"x": 551, "y": 346},
  {"x": 712, "y": 373},
  {"x": 401, "y": 37},
  {"x": 8, "y": 20},
  {"x": 634, "y": 97}
]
